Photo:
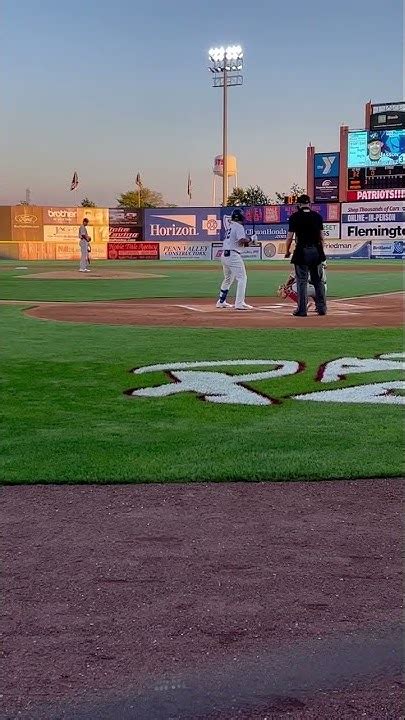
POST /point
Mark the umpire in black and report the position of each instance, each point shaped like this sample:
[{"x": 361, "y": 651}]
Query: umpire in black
[{"x": 306, "y": 226}]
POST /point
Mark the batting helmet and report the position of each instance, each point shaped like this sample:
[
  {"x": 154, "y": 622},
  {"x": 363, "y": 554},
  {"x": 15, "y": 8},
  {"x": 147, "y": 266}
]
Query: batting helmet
[{"x": 238, "y": 216}]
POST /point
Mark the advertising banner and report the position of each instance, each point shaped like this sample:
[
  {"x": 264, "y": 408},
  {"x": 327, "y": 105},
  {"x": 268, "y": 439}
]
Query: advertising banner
[
  {"x": 347, "y": 249},
  {"x": 330, "y": 212},
  {"x": 391, "y": 194},
  {"x": 123, "y": 217},
  {"x": 133, "y": 251},
  {"x": 67, "y": 251},
  {"x": 188, "y": 224},
  {"x": 273, "y": 250},
  {"x": 37, "y": 251},
  {"x": 383, "y": 220},
  {"x": 370, "y": 231},
  {"x": 276, "y": 214},
  {"x": 185, "y": 251},
  {"x": 26, "y": 223},
  {"x": 9, "y": 251},
  {"x": 248, "y": 253},
  {"x": 5, "y": 224},
  {"x": 331, "y": 231},
  {"x": 268, "y": 232},
  {"x": 95, "y": 216},
  {"x": 326, "y": 190},
  {"x": 271, "y": 214},
  {"x": 389, "y": 250},
  {"x": 260, "y": 214},
  {"x": 99, "y": 251},
  {"x": 125, "y": 233},
  {"x": 366, "y": 212},
  {"x": 279, "y": 214},
  {"x": 387, "y": 116},
  {"x": 326, "y": 165},
  {"x": 60, "y": 216},
  {"x": 63, "y": 233},
  {"x": 98, "y": 233}
]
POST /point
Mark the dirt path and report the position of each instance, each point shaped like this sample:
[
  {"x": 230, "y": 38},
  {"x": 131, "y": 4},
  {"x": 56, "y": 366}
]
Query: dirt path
[
  {"x": 237, "y": 601},
  {"x": 372, "y": 311},
  {"x": 94, "y": 274}
]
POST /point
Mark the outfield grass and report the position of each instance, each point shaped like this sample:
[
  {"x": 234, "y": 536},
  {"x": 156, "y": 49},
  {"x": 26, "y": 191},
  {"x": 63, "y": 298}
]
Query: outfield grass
[
  {"x": 202, "y": 280},
  {"x": 65, "y": 417}
]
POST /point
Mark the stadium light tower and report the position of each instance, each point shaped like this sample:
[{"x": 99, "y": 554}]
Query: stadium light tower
[{"x": 226, "y": 64}]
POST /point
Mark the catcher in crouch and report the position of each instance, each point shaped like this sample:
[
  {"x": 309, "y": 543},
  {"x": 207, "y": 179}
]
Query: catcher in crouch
[{"x": 289, "y": 288}]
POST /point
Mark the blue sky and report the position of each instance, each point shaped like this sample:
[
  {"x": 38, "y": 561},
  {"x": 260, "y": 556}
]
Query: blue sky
[{"x": 111, "y": 89}]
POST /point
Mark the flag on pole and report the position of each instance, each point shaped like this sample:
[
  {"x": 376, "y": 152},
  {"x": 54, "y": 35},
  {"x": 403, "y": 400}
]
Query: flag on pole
[
  {"x": 75, "y": 181},
  {"x": 138, "y": 180},
  {"x": 189, "y": 191}
]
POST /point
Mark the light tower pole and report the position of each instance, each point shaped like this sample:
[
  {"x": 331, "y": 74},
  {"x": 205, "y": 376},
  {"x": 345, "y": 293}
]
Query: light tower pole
[{"x": 226, "y": 63}]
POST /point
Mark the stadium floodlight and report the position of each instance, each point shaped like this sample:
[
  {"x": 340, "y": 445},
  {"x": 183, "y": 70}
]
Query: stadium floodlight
[{"x": 226, "y": 61}]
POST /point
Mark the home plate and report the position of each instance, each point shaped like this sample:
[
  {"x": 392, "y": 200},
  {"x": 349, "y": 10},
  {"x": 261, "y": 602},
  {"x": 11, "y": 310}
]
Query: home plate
[{"x": 270, "y": 307}]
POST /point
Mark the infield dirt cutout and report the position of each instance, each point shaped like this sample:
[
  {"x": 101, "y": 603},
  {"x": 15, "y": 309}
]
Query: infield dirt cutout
[{"x": 384, "y": 310}]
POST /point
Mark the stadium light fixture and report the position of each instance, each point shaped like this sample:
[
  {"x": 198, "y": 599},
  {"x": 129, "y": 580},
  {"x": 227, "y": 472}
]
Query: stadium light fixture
[{"x": 226, "y": 64}]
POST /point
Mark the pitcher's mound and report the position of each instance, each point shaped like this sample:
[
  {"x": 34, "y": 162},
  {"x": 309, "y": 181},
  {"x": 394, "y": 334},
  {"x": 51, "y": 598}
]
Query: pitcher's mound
[{"x": 99, "y": 274}]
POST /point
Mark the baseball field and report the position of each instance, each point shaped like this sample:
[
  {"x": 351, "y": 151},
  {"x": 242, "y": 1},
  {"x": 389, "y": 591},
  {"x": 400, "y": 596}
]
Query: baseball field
[
  {"x": 183, "y": 594},
  {"x": 76, "y": 345}
]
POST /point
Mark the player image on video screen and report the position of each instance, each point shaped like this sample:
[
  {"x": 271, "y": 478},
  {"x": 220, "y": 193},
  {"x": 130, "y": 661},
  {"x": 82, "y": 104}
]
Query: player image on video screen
[{"x": 378, "y": 148}]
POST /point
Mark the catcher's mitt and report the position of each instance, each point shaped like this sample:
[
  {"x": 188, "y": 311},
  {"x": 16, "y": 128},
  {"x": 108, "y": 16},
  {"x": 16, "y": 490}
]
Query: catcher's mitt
[{"x": 282, "y": 291}]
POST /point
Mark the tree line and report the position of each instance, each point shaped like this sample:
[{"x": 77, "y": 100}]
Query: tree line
[{"x": 253, "y": 195}]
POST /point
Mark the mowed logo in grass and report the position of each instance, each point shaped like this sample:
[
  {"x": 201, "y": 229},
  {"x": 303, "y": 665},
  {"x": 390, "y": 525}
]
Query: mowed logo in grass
[{"x": 206, "y": 379}]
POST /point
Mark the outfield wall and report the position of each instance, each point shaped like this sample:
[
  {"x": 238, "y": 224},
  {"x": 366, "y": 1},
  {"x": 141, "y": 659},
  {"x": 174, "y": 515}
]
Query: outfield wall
[{"x": 352, "y": 231}]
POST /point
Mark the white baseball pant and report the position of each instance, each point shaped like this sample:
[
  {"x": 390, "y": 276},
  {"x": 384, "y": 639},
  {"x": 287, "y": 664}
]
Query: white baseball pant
[
  {"x": 234, "y": 269},
  {"x": 84, "y": 257}
]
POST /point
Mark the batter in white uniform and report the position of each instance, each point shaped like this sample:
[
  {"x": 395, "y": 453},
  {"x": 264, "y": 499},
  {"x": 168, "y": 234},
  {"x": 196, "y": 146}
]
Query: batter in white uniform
[{"x": 232, "y": 262}]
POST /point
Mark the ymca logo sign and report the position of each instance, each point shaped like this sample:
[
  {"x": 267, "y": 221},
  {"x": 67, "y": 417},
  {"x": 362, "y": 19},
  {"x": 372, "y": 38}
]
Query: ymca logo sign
[
  {"x": 209, "y": 383},
  {"x": 326, "y": 165}
]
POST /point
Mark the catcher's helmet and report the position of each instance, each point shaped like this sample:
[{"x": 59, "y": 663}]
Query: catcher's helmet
[{"x": 238, "y": 216}]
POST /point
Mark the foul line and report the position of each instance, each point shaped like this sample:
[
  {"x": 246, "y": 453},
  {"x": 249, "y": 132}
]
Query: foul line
[
  {"x": 359, "y": 297},
  {"x": 190, "y": 307}
]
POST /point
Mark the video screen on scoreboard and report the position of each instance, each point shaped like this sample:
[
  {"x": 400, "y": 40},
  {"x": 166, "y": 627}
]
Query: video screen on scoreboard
[{"x": 376, "y": 148}]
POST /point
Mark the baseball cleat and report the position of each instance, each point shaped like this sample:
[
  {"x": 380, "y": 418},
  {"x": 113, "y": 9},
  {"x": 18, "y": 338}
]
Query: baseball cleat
[
  {"x": 223, "y": 304},
  {"x": 243, "y": 307}
]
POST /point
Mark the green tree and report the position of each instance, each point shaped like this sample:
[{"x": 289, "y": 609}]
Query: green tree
[
  {"x": 88, "y": 203},
  {"x": 148, "y": 199},
  {"x": 252, "y": 195},
  {"x": 295, "y": 190}
]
